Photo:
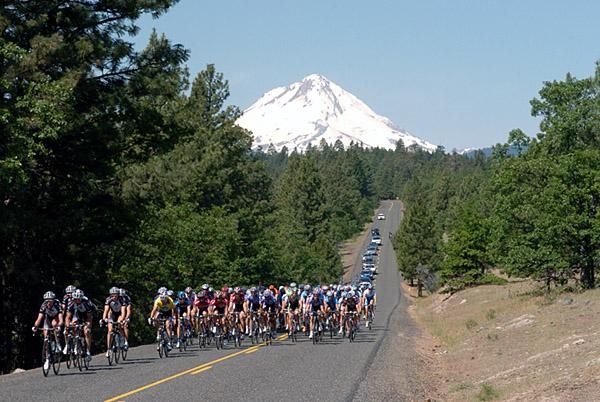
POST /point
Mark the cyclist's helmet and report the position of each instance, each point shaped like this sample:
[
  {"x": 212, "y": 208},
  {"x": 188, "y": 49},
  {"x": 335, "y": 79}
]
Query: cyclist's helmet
[
  {"x": 181, "y": 294},
  {"x": 293, "y": 285},
  {"x": 267, "y": 293},
  {"x": 49, "y": 295},
  {"x": 122, "y": 292},
  {"x": 367, "y": 292},
  {"x": 162, "y": 289},
  {"x": 329, "y": 293},
  {"x": 301, "y": 287},
  {"x": 78, "y": 294},
  {"x": 188, "y": 289},
  {"x": 70, "y": 289},
  {"x": 307, "y": 288},
  {"x": 205, "y": 286},
  {"x": 316, "y": 291},
  {"x": 229, "y": 290},
  {"x": 351, "y": 293},
  {"x": 114, "y": 291},
  {"x": 224, "y": 289},
  {"x": 253, "y": 290},
  {"x": 163, "y": 296},
  {"x": 325, "y": 288},
  {"x": 202, "y": 293},
  {"x": 170, "y": 293}
]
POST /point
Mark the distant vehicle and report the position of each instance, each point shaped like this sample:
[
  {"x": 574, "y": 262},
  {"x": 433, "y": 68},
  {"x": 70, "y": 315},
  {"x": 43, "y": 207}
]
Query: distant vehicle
[
  {"x": 368, "y": 259},
  {"x": 370, "y": 267},
  {"x": 375, "y": 232},
  {"x": 376, "y": 239},
  {"x": 380, "y": 217},
  {"x": 364, "y": 278},
  {"x": 370, "y": 251}
]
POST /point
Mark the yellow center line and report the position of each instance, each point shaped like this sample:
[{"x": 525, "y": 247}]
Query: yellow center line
[
  {"x": 251, "y": 350},
  {"x": 201, "y": 370},
  {"x": 193, "y": 370}
]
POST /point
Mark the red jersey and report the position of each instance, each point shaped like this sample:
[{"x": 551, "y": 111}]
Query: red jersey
[{"x": 219, "y": 302}]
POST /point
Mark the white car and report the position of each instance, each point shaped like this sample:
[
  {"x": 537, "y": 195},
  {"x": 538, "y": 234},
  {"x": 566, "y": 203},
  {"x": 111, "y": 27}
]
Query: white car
[{"x": 380, "y": 217}]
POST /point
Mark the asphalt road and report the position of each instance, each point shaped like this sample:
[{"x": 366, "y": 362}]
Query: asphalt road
[{"x": 335, "y": 370}]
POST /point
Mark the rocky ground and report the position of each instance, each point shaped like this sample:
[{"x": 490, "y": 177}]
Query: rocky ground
[{"x": 512, "y": 343}]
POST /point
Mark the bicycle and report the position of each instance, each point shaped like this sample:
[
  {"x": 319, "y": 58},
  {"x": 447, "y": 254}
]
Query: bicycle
[
  {"x": 294, "y": 326},
  {"x": 76, "y": 349},
  {"x": 350, "y": 322},
  {"x": 162, "y": 339},
  {"x": 51, "y": 352},
  {"x": 254, "y": 327},
  {"x": 116, "y": 343},
  {"x": 317, "y": 327},
  {"x": 236, "y": 330},
  {"x": 217, "y": 331},
  {"x": 203, "y": 333},
  {"x": 184, "y": 331},
  {"x": 267, "y": 333}
]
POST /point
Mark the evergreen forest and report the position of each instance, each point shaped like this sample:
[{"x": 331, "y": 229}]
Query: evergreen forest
[{"x": 118, "y": 168}]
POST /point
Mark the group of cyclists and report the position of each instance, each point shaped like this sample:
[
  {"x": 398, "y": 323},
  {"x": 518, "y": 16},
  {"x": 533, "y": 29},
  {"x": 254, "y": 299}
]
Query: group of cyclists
[
  {"x": 235, "y": 312},
  {"x": 76, "y": 311},
  {"x": 277, "y": 308}
]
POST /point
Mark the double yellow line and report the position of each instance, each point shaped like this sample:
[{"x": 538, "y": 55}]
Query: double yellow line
[{"x": 193, "y": 371}]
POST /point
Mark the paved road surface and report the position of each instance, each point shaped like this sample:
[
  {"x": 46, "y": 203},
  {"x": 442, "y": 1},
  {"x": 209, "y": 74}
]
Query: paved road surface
[{"x": 335, "y": 370}]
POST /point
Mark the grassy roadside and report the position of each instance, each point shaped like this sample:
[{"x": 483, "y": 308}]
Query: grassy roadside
[{"x": 512, "y": 342}]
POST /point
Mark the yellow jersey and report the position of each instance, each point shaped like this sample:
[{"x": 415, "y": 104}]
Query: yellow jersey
[{"x": 164, "y": 306}]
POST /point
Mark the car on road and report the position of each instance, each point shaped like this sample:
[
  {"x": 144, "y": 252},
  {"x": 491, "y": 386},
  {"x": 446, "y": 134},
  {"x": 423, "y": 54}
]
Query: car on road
[
  {"x": 370, "y": 251},
  {"x": 376, "y": 239},
  {"x": 370, "y": 267},
  {"x": 380, "y": 216},
  {"x": 375, "y": 231},
  {"x": 368, "y": 259}
]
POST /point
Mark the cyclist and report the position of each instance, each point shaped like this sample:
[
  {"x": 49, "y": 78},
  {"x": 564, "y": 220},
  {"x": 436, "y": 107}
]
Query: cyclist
[
  {"x": 291, "y": 306},
  {"x": 236, "y": 305},
  {"x": 330, "y": 304},
  {"x": 251, "y": 306},
  {"x": 350, "y": 305},
  {"x": 127, "y": 302},
  {"x": 201, "y": 305},
  {"x": 66, "y": 300},
  {"x": 115, "y": 311},
  {"x": 80, "y": 309},
  {"x": 369, "y": 301},
  {"x": 218, "y": 306},
  {"x": 163, "y": 308},
  {"x": 315, "y": 306},
  {"x": 269, "y": 308},
  {"x": 51, "y": 314},
  {"x": 183, "y": 309},
  {"x": 191, "y": 295},
  {"x": 67, "y": 297}
]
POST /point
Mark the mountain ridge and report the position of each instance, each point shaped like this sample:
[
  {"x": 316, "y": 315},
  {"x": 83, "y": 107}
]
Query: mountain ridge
[{"x": 315, "y": 108}]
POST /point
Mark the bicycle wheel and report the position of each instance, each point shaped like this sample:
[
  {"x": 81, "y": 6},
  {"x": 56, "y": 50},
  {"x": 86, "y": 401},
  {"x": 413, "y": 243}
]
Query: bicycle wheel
[
  {"x": 84, "y": 357},
  {"x": 45, "y": 356},
  {"x": 124, "y": 353},
  {"x": 160, "y": 349},
  {"x": 110, "y": 350},
  {"x": 56, "y": 357},
  {"x": 115, "y": 347}
]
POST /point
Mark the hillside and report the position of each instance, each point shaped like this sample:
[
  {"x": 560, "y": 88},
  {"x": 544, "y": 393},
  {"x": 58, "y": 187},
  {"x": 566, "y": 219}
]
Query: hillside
[{"x": 513, "y": 343}]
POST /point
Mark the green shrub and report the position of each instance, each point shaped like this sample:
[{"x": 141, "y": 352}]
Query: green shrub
[
  {"x": 487, "y": 393},
  {"x": 490, "y": 314},
  {"x": 470, "y": 324}
]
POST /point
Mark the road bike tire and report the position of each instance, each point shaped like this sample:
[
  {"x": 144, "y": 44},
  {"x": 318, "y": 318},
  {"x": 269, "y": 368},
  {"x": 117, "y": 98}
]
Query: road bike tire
[
  {"x": 124, "y": 351},
  {"x": 160, "y": 349},
  {"x": 56, "y": 362},
  {"x": 45, "y": 356}
]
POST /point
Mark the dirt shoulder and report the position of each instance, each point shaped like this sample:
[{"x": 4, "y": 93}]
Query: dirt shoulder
[{"x": 512, "y": 343}]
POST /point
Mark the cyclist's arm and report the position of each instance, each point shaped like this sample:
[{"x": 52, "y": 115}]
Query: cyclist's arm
[
  {"x": 39, "y": 319},
  {"x": 123, "y": 314},
  {"x": 154, "y": 312},
  {"x": 105, "y": 313}
]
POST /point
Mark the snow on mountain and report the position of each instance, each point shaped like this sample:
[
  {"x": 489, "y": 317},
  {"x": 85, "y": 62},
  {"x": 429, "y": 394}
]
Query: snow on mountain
[{"x": 315, "y": 108}]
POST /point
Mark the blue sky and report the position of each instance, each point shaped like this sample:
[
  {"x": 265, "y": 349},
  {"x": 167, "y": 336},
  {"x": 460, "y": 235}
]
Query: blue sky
[{"x": 455, "y": 72}]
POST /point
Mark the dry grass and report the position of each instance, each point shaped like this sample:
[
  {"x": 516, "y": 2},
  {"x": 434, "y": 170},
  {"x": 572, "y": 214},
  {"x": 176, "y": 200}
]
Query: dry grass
[{"x": 515, "y": 341}]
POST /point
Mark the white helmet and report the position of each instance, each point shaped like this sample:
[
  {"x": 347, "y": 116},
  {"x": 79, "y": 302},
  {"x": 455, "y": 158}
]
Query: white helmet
[{"x": 49, "y": 295}]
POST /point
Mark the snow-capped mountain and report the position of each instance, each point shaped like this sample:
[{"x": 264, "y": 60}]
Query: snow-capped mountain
[{"x": 315, "y": 108}]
